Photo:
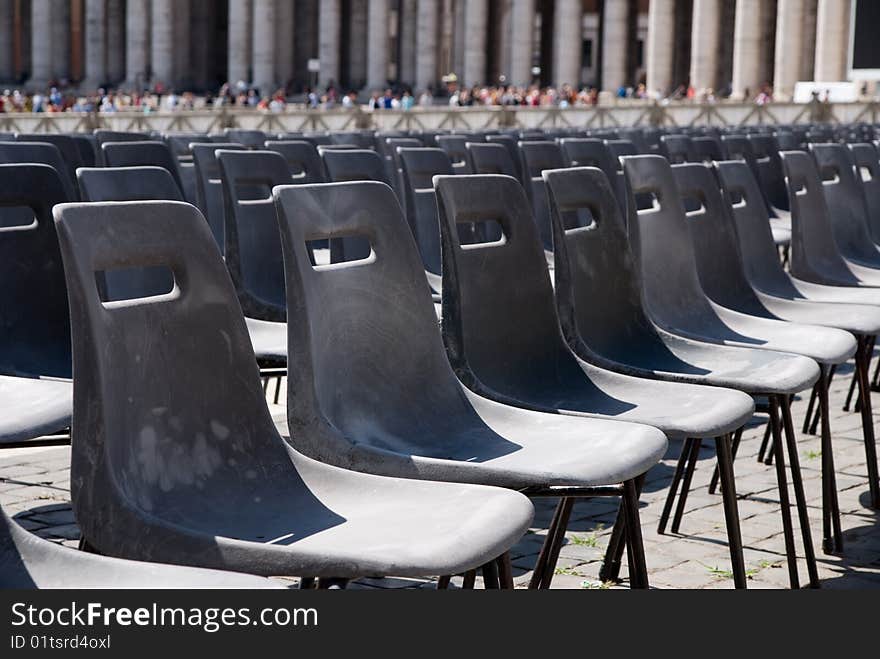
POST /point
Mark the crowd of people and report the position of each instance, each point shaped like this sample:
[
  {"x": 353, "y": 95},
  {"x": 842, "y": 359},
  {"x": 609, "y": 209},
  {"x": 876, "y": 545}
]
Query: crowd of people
[{"x": 59, "y": 98}]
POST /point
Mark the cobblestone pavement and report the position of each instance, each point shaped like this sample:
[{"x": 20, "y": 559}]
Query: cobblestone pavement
[{"x": 35, "y": 482}]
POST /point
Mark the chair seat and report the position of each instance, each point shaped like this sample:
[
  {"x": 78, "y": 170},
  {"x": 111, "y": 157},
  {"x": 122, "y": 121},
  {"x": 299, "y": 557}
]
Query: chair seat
[
  {"x": 269, "y": 339},
  {"x": 27, "y": 561},
  {"x": 858, "y": 319},
  {"x": 781, "y": 234},
  {"x": 312, "y": 519},
  {"x": 31, "y": 407}
]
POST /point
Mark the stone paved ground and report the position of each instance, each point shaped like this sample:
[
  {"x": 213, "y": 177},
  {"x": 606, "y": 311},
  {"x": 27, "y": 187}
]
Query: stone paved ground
[{"x": 34, "y": 489}]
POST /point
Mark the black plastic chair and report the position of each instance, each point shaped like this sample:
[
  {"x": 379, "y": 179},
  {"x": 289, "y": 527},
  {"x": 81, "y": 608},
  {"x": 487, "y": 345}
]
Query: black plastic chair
[
  {"x": 209, "y": 190},
  {"x": 186, "y": 466},
  {"x": 253, "y": 247},
  {"x": 593, "y": 152},
  {"x": 39, "y": 153},
  {"x": 102, "y": 137},
  {"x": 427, "y": 425},
  {"x": 66, "y": 146},
  {"x": 867, "y": 164},
  {"x": 302, "y": 159},
  {"x": 86, "y": 145},
  {"x": 536, "y": 157},
  {"x": 251, "y": 139},
  {"x": 142, "y": 154},
  {"x": 676, "y": 148},
  {"x": 489, "y": 158},
  {"x": 504, "y": 340},
  {"x": 675, "y": 299},
  {"x": 706, "y": 149},
  {"x": 512, "y": 145},
  {"x": 35, "y": 360},
  {"x": 455, "y": 148}
]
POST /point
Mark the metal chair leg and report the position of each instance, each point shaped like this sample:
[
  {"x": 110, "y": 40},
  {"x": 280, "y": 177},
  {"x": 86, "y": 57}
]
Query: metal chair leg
[
  {"x": 505, "y": 571},
  {"x": 731, "y": 511},
  {"x": 798, "y": 483},
  {"x": 784, "y": 504},
  {"x": 673, "y": 486},
  {"x": 308, "y": 583},
  {"x": 713, "y": 483},
  {"x": 635, "y": 549},
  {"x": 762, "y": 452},
  {"x": 544, "y": 568},
  {"x": 470, "y": 578},
  {"x": 831, "y": 533},
  {"x": 443, "y": 582},
  {"x": 862, "y": 357},
  {"x": 686, "y": 484},
  {"x": 490, "y": 576}
]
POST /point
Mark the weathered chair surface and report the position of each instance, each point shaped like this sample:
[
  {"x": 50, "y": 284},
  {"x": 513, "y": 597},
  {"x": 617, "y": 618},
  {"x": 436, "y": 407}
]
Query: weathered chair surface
[
  {"x": 27, "y": 562},
  {"x": 33, "y": 407},
  {"x": 209, "y": 187},
  {"x": 417, "y": 421},
  {"x": 675, "y": 297},
  {"x": 252, "y": 139},
  {"x": 39, "y": 153},
  {"x": 599, "y": 300},
  {"x": 146, "y": 153},
  {"x": 504, "y": 339},
  {"x": 194, "y": 471},
  {"x": 302, "y": 158},
  {"x": 867, "y": 164}
]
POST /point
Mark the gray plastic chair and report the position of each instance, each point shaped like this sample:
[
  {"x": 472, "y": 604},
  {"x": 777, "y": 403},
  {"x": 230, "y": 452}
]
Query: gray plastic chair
[
  {"x": 867, "y": 163},
  {"x": 503, "y": 336},
  {"x": 489, "y": 158},
  {"x": 251, "y": 139},
  {"x": 676, "y": 148},
  {"x": 419, "y": 166},
  {"x": 512, "y": 145},
  {"x": 65, "y": 144},
  {"x": 723, "y": 277},
  {"x": 536, "y": 157},
  {"x": 209, "y": 190},
  {"x": 847, "y": 206},
  {"x": 39, "y": 153},
  {"x": 35, "y": 366},
  {"x": 188, "y": 468},
  {"x": 706, "y": 149},
  {"x": 428, "y": 425},
  {"x": 814, "y": 252},
  {"x": 358, "y": 139},
  {"x": 592, "y": 152},
  {"x": 127, "y": 184},
  {"x": 142, "y": 154},
  {"x": 599, "y": 301},
  {"x": 101, "y": 137},
  {"x": 253, "y": 247},
  {"x": 455, "y": 148},
  {"x": 769, "y": 172},
  {"x": 302, "y": 159},
  {"x": 674, "y": 297},
  {"x": 28, "y": 562}
]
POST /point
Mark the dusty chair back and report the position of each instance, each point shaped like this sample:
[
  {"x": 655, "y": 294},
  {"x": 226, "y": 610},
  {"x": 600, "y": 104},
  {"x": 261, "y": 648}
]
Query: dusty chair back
[
  {"x": 141, "y": 154},
  {"x": 866, "y": 160},
  {"x": 209, "y": 188}
]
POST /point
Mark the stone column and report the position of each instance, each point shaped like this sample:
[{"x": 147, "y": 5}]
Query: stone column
[
  {"x": 502, "y": 41},
  {"x": 162, "y": 45},
  {"x": 747, "y": 48},
  {"x": 832, "y": 40},
  {"x": 41, "y": 43},
  {"x": 239, "y": 62},
  {"x": 567, "y": 42},
  {"x": 522, "y": 34},
  {"x": 284, "y": 58},
  {"x": 661, "y": 45},
  {"x": 60, "y": 39},
  {"x": 329, "y": 33},
  {"x": 7, "y": 61},
  {"x": 264, "y": 46},
  {"x": 115, "y": 41},
  {"x": 426, "y": 45},
  {"x": 184, "y": 35},
  {"x": 476, "y": 41},
  {"x": 615, "y": 31},
  {"x": 377, "y": 44},
  {"x": 95, "y": 44},
  {"x": 705, "y": 43},
  {"x": 808, "y": 41},
  {"x": 137, "y": 42},
  {"x": 407, "y": 63},
  {"x": 789, "y": 44}
]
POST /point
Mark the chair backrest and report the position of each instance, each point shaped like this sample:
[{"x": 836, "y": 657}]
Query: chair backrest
[
  {"x": 359, "y": 139},
  {"x": 499, "y": 317},
  {"x": 302, "y": 160},
  {"x": 866, "y": 160},
  {"x": 676, "y": 148},
  {"x": 512, "y": 145},
  {"x": 252, "y": 139},
  {"x": 355, "y": 165},
  {"x": 43, "y": 153},
  {"x": 169, "y": 415},
  {"x": 34, "y": 315},
  {"x": 598, "y": 292},
  {"x": 419, "y": 166},
  {"x": 179, "y": 143},
  {"x": 66, "y": 146},
  {"x": 87, "y": 147},
  {"x": 769, "y": 170},
  {"x": 103, "y": 137},
  {"x": 354, "y": 318},
  {"x": 316, "y": 139},
  {"x": 593, "y": 152},
  {"x": 253, "y": 245},
  {"x": 142, "y": 154},
  {"x": 536, "y": 157},
  {"x": 745, "y": 201},
  {"x": 706, "y": 149},
  {"x": 490, "y": 158},
  {"x": 714, "y": 240},
  {"x": 454, "y": 146},
  {"x": 845, "y": 198},
  {"x": 786, "y": 141},
  {"x": 661, "y": 242},
  {"x": 209, "y": 187},
  {"x": 620, "y": 149},
  {"x": 814, "y": 254}
]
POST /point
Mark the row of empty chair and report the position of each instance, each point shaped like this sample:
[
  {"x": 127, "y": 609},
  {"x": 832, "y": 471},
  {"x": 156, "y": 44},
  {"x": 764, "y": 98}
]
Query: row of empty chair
[{"x": 593, "y": 302}]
